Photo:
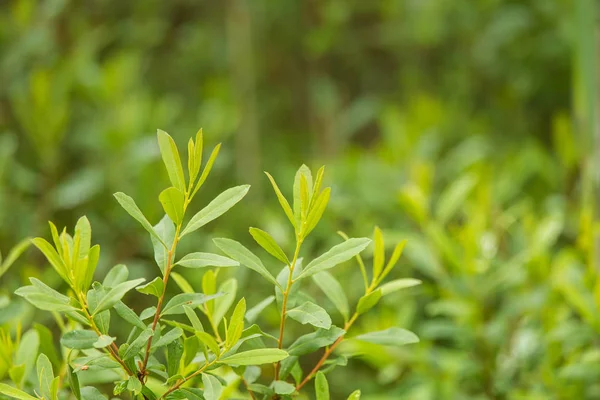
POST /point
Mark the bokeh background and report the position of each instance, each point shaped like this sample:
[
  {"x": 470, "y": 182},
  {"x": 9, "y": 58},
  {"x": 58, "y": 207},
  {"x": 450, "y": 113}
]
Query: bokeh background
[{"x": 464, "y": 126}]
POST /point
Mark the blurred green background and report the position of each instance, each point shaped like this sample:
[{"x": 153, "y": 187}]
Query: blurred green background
[{"x": 464, "y": 126}]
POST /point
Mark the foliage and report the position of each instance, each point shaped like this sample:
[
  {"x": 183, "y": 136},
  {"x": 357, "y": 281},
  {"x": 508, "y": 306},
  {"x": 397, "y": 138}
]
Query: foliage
[{"x": 167, "y": 358}]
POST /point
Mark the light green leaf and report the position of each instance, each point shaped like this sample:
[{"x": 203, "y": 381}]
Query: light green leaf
[
  {"x": 209, "y": 342},
  {"x": 13, "y": 255},
  {"x": 44, "y": 297},
  {"x": 15, "y": 393},
  {"x": 398, "y": 284},
  {"x": 267, "y": 242},
  {"x": 389, "y": 337},
  {"x": 253, "y": 313},
  {"x": 282, "y": 201},
  {"x": 183, "y": 284},
  {"x": 115, "y": 294},
  {"x": 53, "y": 258},
  {"x": 101, "y": 319},
  {"x": 334, "y": 292},
  {"x": 223, "y": 303},
  {"x": 79, "y": 339},
  {"x": 212, "y": 387},
  {"x": 393, "y": 260},
  {"x": 245, "y": 257},
  {"x": 45, "y": 375},
  {"x": 74, "y": 383},
  {"x": 165, "y": 229},
  {"x": 103, "y": 341},
  {"x": 91, "y": 393},
  {"x": 379, "y": 255},
  {"x": 175, "y": 305},
  {"x": 207, "y": 168},
  {"x": 132, "y": 209},
  {"x": 283, "y": 387},
  {"x": 137, "y": 345},
  {"x": 117, "y": 274},
  {"x": 174, "y": 353},
  {"x": 310, "y": 313},
  {"x": 129, "y": 315},
  {"x": 155, "y": 287},
  {"x": 313, "y": 341},
  {"x": 368, "y": 301},
  {"x": 202, "y": 260},
  {"x": 336, "y": 255},
  {"x": 170, "y": 156},
  {"x": 172, "y": 200},
  {"x": 221, "y": 204},
  {"x": 167, "y": 338},
  {"x": 191, "y": 314},
  {"x": 317, "y": 210},
  {"x": 134, "y": 385},
  {"x": 236, "y": 324},
  {"x": 255, "y": 357},
  {"x": 354, "y": 395},
  {"x": 321, "y": 386},
  {"x": 453, "y": 197},
  {"x": 302, "y": 171}
]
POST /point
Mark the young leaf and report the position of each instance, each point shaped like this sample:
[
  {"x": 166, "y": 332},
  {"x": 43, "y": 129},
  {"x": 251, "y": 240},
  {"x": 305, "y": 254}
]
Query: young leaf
[
  {"x": 223, "y": 303},
  {"x": 207, "y": 168},
  {"x": 15, "y": 393},
  {"x": 336, "y": 255},
  {"x": 368, "y": 301},
  {"x": 191, "y": 314},
  {"x": 302, "y": 171},
  {"x": 172, "y": 200},
  {"x": 389, "y": 337},
  {"x": 253, "y": 313},
  {"x": 212, "y": 387},
  {"x": 236, "y": 324},
  {"x": 354, "y": 395},
  {"x": 74, "y": 383},
  {"x": 282, "y": 201},
  {"x": 53, "y": 258},
  {"x": 398, "y": 284},
  {"x": 255, "y": 357},
  {"x": 379, "y": 255},
  {"x": 14, "y": 253},
  {"x": 192, "y": 173},
  {"x": 244, "y": 256},
  {"x": 209, "y": 342},
  {"x": 334, "y": 292},
  {"x": 155, "y": 288},
  {"x": 321, "y": 386},
  {"x": 216, "y": 208},
  {"x": 117, "y": 274},
  {"x": 196, "y": 156},
  {"x": 183, "y": 284},
  {"x": 202, "y": 260},
  {"x": 170, "y": 156},
  {"x": 134, "y": 385},
  {"x": 267, "y": 242},
  {"x": 45, "y": 300},
  {"x": 79, "y": 339},
  {"x": 165, "y": 230},
  {"x": 115, "y": 294},
  {"x": 132, "y": 209},
  {"x": 310, "y": 313},
  {"x": 393, "y": 260},
  {"x": 317, "y": 186},
  {"x": 304, "y": 198},
  {"x": 167, "y": 338},
  {"x": 175, "y": 305},
  {"x": 317, "y": 210}
]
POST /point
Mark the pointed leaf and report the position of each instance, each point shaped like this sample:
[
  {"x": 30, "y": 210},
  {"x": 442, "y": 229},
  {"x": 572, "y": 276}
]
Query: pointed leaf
[
  {"x": 379, "y": 255},
  {"x": 253, "y": 313},
  {"x": 282, "y": 201},
  {"x": 223, "y": 303},
  {"x": 115, "y": 294},
  {"x": 165, "y": 230},
  {"x": 175, "y": 305},
  {"x": 336, "y": 255},
  {"x": 170, "y": 156},
  {"x": 236, "y": 324},
  {"x": 212, "y": 387},
  {"x": 321, "y": 386},
  {"x": 132, "y": 209},
  {"x": 317, "y": 210},
  {"x": 202, "y": 260},
  {"x": 207, "y": 168},
  {"x": 255, "y": 357},
  {"x": 117, "y": 274},
  {"x": 334, "y": 292},
  {"x": 310, "y": 313},
  {"x": 15, "y": 393},
  {"x": 368, "y": 301},
  {"x": 398, "y": 284},
  {"x": 267, "y": 242},
  {"x": 172, "y": 200},
  {"x": 389, "y": 337},
  {"x": 155, "y": 287},
  {"x": 244, "y": 256}
]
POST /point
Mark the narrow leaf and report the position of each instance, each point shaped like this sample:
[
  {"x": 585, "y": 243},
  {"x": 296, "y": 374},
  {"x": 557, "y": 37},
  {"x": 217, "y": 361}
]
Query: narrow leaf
[
  {"x": 389, "y": 337},
  {"x": 132, "y": 209},
  {"x": 334, "y": 292},
  {"x": 310, "y": 313},
  {"x": 115, "y": 294},
  {"x": 282, "y": 201},
  {"x": 245, "y": 257},
  {"x": 267, "y": 242},
  {"x": 155, "y": 287},
  {"x": 255, "y": 357},
  {"x": 172, "y": 200},
  {"x": 202, "y": 260},
  {"x": 170, "y": 156},
  {"x": 336, "y": 255},
  {"x": 368, "y": 301},
  {"x": 398, "y": 284}
]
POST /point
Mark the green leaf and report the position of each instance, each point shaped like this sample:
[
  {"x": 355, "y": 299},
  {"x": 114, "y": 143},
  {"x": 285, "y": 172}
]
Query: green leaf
[
  {"x": 398, "y": 284},
  {"x": 310, "y": 313},
  {"x": 167, "y": 338},
  {"x": 170, "y": 156},
  {"x": 223, "y": 303},
  {"x": 165, "y": 230},
  {"x": 53, "y": 258},
  {"x": 389, "y": 337},
  {"x": 317, "y": 210},
  {"x": 79, "y": 339},
  {"x": 94, "y": 296},
  {"x": 313, "y": 341},
  {"x": 134, "y": 385},
  {"x": 302, "y": 171},
  {"x": 368, "y": 301},
  {"x": 212, "y": 387},
  {"x": 175, "y": 305},
  {"x": 13, "y": 255},
  {"x": 354, "y": 395},
  {"x": 137, "y": 345},
  {"x": 282, "y": 201},
  {"x": 15, "y": 393},
  {"x": 155, "y": 287},
  {"x": 267, "y": 242},
  {"x": 282, "y": 387},
  {"x": 253, "y": 313},
  {"x": 336, "y": 255},
  {"x": 74, "y": 383},
  {"x": 46, "y": 344},
  {"x": 452, "y": 198},
  {"x": 255, "y": 357},
  {"x": 207, "y": 168},
  {"x": 236, "y": 324},
  {"x": 221, "y": 204},
  {"x": 379, "y": 255},
  {"x": 172, "y": 200},
  {"x": 318, "y": 182},
  {"x": 191, "y": 314},
  {"x": 129, "y": 315},
  {"x": 132, "y": 209},
  {"x": 393, "y": 260},
  {"x": 209, "y": 342},
  {"x": 44, "y": 297},
  {"x": 115, "y": 294},
  {"x": 321, "y": 386},
  {"x": 103, "y": 341},
  {"x": 117, "y": 274},
  {"x": 91, "y": 393},
  {"x": 45, "y": 375},
  {"x": 182, "y": 283},
  {"x": 245, "y": 257},
  {"x": 202, "y": 260},
  {"x": 334, "y": 292},
  {"x": 174, "y": 353}
]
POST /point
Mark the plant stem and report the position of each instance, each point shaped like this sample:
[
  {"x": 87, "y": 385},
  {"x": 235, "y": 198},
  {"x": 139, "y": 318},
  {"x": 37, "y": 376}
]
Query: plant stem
[
  {"x": 248, "y": 389},
  {"x": 286, "y": 294},
  {"x": 178, "y": 385},
  {"x": 161, "y": 299}
]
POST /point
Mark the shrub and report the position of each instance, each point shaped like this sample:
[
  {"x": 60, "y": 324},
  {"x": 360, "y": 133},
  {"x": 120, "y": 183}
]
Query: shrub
[{"x": 173, "y": 353}]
